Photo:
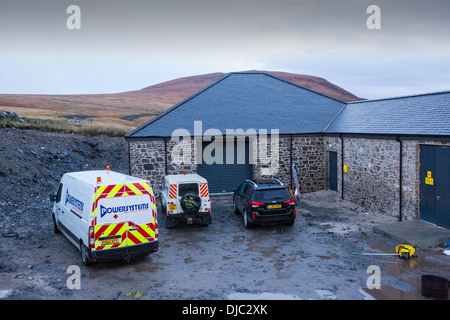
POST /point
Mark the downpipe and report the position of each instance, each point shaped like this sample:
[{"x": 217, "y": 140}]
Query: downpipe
[{"x": 400, "y": 179}]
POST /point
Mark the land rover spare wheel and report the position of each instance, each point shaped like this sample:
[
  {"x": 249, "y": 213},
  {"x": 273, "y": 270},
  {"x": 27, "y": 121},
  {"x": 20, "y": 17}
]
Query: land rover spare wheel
[{"x": 191, "y": 202}]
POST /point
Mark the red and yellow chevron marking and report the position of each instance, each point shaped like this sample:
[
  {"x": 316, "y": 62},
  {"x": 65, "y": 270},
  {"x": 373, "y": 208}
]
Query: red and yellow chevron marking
[
  {"x": 138, "y": 234},
  {"x": 107, "y": 230},
  {"x": 173, "y": 191},
  {"x": 130, "y": 233},
  {"x": 204, "y": 190}
]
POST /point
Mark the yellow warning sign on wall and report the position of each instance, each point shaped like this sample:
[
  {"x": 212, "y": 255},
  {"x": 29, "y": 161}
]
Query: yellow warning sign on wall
[{"x": 429, "y": 180}]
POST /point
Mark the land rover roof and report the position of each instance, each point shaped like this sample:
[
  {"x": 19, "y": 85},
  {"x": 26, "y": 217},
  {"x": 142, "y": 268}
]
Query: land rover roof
[{"x": 176, "y": 178}]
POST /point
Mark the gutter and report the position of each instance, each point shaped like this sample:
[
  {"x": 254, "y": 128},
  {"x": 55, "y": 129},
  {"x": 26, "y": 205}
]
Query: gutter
[
  {"x": 129, "y": 159},
  {"x": 165, "y": 156}
]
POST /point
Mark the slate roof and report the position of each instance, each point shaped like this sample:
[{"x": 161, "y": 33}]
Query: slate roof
[
  {"x": 257, "y": 100},
  {"x": 247, "y": 100},
  {"x": 424, "y": 114}
]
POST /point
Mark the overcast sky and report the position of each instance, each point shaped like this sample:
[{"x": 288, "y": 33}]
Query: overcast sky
[{"x": 128, "y": 45}]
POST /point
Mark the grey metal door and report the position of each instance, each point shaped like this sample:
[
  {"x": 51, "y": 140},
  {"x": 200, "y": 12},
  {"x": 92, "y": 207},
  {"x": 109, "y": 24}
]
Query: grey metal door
[
  {"x": 332, "y": 166},
  {"x": 435, "y": 185},
  {"x": 443, "y": 187},
  {"x": 229, "y": 174}
]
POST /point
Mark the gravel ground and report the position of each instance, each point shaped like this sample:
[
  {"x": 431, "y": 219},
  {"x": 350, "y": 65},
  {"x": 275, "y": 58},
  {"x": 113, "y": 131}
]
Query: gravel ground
[{"x": 313, "y": 259}]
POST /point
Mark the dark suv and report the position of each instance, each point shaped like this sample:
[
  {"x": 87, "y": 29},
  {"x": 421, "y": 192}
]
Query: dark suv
[{"x": 265, "y": 201}]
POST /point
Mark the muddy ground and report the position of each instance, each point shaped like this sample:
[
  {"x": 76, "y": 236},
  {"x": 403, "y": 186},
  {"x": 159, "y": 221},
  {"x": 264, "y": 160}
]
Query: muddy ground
[{"x": 313, "y": 259}]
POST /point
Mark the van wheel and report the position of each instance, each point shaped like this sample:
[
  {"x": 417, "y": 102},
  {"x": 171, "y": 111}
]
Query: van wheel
[
  {"x": 55, "y": 225},
  {"x": 85, "y": 255}
]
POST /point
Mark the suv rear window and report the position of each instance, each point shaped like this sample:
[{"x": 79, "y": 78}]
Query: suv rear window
[
  {"x": 271, "y": 195},
  {"x": 184, "y": 188}
]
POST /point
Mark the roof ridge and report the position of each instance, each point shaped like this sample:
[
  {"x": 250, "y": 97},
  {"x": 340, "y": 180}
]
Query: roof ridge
[
  {"x": 334, "y": 118},
  {"x": 289, "y": 82},
  {"x": 402, "y": 97}
]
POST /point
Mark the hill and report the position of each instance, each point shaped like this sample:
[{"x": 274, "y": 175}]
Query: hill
[{"x": 127, "y": 110}]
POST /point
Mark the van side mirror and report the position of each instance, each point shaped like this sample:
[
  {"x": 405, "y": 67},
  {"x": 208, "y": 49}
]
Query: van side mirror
[{"x": 52, "y": 197}]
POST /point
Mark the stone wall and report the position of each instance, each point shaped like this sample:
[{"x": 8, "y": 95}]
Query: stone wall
[
  {"x": 147, "y": 160},
  {"x": 177, "y": 168},
  {"x": 372, "y": 180},
  {"x": 308, "y": 157},
  {"x": 280, "y": 168}
]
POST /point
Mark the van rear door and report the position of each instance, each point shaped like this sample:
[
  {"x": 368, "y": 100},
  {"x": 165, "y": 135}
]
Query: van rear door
[
  {"x": 141, "y": 213},
  {"x": 125, "y": 215},
  {"x": 111, "y": 220}
]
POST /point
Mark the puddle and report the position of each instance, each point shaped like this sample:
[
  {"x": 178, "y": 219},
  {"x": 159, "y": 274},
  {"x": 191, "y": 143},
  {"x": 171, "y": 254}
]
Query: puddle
[
  {"x": 279, "y": 264},
  {"x": 266, "y": 251},
  {"x": 419, "y": 264},
  {"x": 260, "y": 283},
  {"x": 326, "y": 294},
  {"x": 324, "y": 257},
  {"x": 189, "y": 260},
  {"x": 261, "y": 296},
  {"x": 5, "y": 293},
  {"x": 389, "y": 293},
  {"x": 331, "y": 255},
  {"x": 408, "y": 272}
]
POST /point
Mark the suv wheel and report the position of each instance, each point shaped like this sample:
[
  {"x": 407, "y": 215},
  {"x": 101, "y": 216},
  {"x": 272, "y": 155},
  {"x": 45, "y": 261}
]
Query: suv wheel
[
  {"x": 247, "y": 222},
  {"x": 235, "y": 210}
]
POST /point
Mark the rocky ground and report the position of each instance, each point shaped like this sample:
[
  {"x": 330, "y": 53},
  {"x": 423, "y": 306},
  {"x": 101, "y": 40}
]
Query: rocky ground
[
  {"x": 313, "y": 259},
  {"x": 32, "y": 162}
]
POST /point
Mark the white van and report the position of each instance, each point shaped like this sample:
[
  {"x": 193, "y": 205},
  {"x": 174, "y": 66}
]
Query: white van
[
  {"x": 185, "y": 197},
  {"x": 107, "y": 215}
]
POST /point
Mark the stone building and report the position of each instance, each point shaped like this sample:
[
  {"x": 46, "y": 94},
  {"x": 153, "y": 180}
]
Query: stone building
[{"x": 390, "y": 155}]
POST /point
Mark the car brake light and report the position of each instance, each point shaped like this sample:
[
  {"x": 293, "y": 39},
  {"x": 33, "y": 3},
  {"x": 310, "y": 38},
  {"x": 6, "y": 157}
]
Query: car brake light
[
  {"x": 91, "y": 237},
  {"x": 290, "y": 201},
  {"x": 257, "y": 204}
]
